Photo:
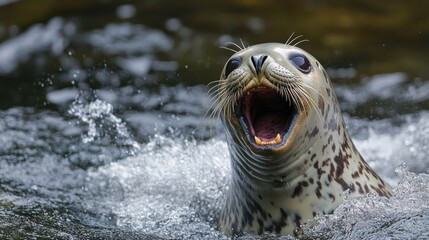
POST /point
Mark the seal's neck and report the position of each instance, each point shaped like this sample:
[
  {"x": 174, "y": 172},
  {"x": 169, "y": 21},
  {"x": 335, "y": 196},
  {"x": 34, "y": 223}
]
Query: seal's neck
[
  {"x": 256, "y": 206},
  {"x": 265, "y": 171}
]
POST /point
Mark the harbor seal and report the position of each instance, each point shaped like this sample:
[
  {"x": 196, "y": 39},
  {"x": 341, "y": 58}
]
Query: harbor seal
[{"x": 291, "y": 154}]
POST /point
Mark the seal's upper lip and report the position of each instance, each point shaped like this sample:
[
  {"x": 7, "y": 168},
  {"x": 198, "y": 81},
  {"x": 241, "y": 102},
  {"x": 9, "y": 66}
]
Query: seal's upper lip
[{"x": 266, "y": 117}]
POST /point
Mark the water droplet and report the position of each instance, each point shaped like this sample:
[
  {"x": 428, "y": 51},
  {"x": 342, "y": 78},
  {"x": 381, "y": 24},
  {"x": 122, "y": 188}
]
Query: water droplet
[
  {"x": 173, "y": 24},
  {"x": 125, "y": 11}
]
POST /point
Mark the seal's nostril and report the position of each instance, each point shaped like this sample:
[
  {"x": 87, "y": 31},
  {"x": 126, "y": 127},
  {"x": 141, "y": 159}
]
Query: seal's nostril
[
  {"x": 255, "y": 62},
  {"x": 263, "y": 58},
  {"x": 258, "y": 61}
]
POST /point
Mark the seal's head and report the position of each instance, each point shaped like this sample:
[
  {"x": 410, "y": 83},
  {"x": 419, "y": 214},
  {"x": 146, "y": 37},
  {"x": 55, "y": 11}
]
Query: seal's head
[{"x": 267, "y": 91}]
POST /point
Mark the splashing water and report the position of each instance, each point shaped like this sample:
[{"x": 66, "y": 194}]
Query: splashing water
[
  {"x": 99, "y": 117},
  {"x": 173, "y": 188}
]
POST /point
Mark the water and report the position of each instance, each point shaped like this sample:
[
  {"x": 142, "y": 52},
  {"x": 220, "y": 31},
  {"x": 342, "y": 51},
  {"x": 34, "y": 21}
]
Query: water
[{"x": 103, "y": 133}]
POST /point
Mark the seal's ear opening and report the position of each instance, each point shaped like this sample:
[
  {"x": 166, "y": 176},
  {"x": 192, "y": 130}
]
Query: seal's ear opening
[{"x": 266, "y": 117}]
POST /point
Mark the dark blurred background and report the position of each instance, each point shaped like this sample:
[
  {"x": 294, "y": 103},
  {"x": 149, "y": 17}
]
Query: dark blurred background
[{"x": 48, "y": 45}]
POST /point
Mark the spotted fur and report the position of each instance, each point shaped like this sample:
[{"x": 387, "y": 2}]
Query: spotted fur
[{"x": 277, "y": 190}]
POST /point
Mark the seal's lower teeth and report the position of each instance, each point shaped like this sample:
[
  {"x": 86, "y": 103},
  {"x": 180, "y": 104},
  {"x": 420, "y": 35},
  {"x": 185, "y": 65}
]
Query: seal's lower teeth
[
  {"x": 276, "y": 140},
  {"x": 258, "y": 141}
]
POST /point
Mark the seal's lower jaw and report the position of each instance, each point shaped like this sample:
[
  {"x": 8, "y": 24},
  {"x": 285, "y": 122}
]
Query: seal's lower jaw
[{"x": 266, "y": 118}]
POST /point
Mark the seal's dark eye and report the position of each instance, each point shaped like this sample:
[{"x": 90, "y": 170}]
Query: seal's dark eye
[
  {"x": 301, "y": 62},
  {"x": 232, "y": 64}
]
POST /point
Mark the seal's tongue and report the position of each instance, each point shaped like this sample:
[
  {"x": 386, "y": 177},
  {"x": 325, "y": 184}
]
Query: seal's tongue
[
  {"x": 268, "y": 124},
  {"x": 268, "y": 115}
]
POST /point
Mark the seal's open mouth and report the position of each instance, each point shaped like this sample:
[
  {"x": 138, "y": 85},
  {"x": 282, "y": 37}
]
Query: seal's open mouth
[{"x": 266, "y": 117}]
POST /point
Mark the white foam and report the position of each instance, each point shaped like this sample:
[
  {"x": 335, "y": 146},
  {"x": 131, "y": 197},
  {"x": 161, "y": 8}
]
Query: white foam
[
  {"x": 171, "y": 188},
  {"x": 382, "y": 86},
  {"x": 408, "y": 143}
]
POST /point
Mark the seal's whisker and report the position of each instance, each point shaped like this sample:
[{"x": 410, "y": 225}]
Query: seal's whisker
[
  {"x": 212, "y": 111},
  {"x": 221, "y": 88},
  {"x": 210, "y": 120},
  {"x": 221, "y": 92},
  {"x": 218, "y": 103},
  {"x": 236, "y": 45},
  {"x": 291, "y": 97},
  {"x": 216, "y": 96},
  {"x": 230, "y": 49},
  {"x": 213, "y": 82},
  {"x": 213, "y": 104},
  {"x": 226, "y": 105},
  {"x": 242, "y": 44},
  {"x": 288, "y": 95},
  {"x": 216, "y": 83},
  {"x": 213, "y": 91},
  {"x": 285, "y": 92},
  {"x": 301, "y": 41},
  {"x": 294, "y": 39},
  {"x": 298, "y": 100},
  {"x": 325, "y": 101},
  {"x": 287, "y": 41},
  {"x": 216, "y": 111},
  {"x": 310, "y": 101}
]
